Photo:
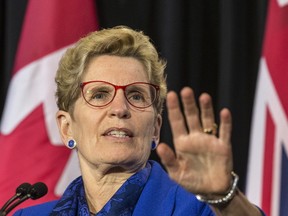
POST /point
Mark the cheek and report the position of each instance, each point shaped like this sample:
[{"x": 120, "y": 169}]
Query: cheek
[
  {"x": 83, "y": 130},
  {"x": 147, "y": 136},
  {"x": 149, "y": 128}
]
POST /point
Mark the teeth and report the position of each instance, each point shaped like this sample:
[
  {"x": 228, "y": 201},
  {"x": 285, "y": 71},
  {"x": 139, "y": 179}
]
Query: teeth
[{"x": 117, "y": 134}]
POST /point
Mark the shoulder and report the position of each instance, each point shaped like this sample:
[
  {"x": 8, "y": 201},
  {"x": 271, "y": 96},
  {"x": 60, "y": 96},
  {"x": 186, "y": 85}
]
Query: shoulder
[
  {"x": 43, "y": 209},
  {"x": 163, "y": 196}
]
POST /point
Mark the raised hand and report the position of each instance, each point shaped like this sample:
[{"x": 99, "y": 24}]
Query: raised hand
[{"x": 202, "y": 162}]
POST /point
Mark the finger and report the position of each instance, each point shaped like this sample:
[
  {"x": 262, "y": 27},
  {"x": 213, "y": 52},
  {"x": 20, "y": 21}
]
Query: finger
[
  {"x": 190, "y": 109},
  {"x": 176, "y": 119},
  {"x": 168, "y": 157},
  {"x": 225, "y": 128},
  {"x": 207, "y": 112}
]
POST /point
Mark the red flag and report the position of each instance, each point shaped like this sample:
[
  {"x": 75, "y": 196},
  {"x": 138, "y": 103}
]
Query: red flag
[
  {"x": 30, "y": 146},
  {"x": 268, "y": 162}
]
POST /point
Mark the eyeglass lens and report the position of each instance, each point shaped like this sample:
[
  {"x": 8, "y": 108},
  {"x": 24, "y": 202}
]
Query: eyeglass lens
[{"x": 139, "y": 95}]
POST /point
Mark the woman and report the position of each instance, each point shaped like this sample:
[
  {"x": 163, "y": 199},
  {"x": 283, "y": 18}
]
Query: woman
[{"x": 110, "y": 92}]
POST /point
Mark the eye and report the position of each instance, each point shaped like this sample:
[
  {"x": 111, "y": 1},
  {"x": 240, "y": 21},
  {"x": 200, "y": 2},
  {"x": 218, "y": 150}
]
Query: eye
[
  {"x": 136, "y": 96},
  {"x": 99, "y": 94}
]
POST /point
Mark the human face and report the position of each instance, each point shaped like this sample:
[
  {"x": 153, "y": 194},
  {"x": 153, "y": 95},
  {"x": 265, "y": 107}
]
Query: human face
[{"x": 116, "y": 135}]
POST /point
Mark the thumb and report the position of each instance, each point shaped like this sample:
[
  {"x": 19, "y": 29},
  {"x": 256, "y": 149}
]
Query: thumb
[{"x": 168, "y": 157}]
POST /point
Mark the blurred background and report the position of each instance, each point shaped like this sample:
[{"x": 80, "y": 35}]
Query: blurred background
[{"x": 212, "y": 46}]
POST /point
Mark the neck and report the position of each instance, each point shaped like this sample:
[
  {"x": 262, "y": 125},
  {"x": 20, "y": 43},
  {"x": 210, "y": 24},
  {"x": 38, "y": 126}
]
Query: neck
[{"x": 101, "y": 185}]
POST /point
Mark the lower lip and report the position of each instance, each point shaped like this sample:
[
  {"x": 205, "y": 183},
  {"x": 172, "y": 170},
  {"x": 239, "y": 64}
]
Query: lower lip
[{"x": 125, "y": 138}]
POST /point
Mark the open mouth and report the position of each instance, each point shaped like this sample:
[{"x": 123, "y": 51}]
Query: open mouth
[{"x": 118, "y": 133}]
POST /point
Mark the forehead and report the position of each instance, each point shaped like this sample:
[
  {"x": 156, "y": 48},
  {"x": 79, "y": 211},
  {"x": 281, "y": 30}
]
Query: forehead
[{"x": 115, "y": 69}]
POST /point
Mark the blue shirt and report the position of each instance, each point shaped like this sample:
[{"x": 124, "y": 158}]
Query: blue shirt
[{"x": 156, "y": 195}]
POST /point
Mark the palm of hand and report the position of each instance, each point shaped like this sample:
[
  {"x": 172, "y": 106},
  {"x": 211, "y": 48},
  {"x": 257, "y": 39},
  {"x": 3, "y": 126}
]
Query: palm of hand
[{"x": 201, "y": 163}]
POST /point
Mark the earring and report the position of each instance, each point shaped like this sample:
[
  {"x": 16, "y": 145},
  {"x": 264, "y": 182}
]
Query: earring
[
  {"x": 153, "y": 145},
  {"x": 71, "y": 144}
]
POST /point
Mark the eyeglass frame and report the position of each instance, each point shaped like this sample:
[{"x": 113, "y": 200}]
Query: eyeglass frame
[{"x": 117, "y": 87}]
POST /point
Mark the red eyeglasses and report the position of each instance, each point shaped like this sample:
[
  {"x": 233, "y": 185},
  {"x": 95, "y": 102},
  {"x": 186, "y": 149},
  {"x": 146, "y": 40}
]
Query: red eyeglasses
[{"x": 101, "y": 93}]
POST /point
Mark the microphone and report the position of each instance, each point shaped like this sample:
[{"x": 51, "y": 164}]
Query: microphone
[
  {"x": 37, "y": 190},
  {"x": 20, "y": 191},
  {"x": 34, "y": 192}
]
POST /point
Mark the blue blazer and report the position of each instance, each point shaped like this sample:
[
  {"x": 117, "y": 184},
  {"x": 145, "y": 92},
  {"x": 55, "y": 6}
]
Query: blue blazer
[{"x": 160, "y": 197}]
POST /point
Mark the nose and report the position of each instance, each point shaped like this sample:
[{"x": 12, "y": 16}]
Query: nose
[{"x": 119, "y": 107}]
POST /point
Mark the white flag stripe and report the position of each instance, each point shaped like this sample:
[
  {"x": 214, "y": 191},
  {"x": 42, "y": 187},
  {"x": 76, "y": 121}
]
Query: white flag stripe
[
  {"x": 282, "y": 3},
  {"x": 71, "y": 171},
  {"x": 254, "y": 187},
  {"x": 32, "y": 85}
]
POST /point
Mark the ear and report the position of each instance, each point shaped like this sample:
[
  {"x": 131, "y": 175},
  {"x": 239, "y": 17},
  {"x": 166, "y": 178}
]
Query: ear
[
  {"x": 64, "y": 125},
  {"x": 157, "y": 127}
]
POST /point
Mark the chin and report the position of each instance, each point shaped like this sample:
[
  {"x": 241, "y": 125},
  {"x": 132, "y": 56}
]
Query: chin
[{"x": 128, "y": 162}]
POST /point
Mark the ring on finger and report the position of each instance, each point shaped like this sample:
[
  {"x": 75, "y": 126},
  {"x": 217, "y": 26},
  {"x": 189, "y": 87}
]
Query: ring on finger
[
  {"x": 208, "y": 130},
  {"x": 211, "y": 131}
]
